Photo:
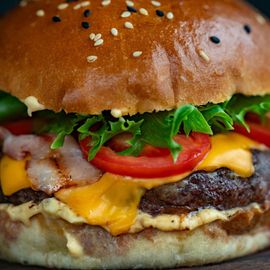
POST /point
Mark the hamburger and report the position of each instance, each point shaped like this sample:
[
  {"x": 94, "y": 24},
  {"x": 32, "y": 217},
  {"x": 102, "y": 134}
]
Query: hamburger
[{"x": 134, "y": 134}]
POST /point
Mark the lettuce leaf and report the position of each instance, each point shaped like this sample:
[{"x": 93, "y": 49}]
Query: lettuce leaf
[{"x": 157, "y": 129}]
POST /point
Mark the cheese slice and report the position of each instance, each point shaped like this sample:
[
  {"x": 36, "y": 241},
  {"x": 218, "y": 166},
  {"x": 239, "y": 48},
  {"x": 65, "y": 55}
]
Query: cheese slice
[
  {"x": 230, "y": 151},
  {"x": 113, "y": 201},
  {"x": 13, "y": 175}
]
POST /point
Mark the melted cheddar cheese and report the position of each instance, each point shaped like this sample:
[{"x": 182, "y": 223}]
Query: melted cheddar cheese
[
  {"x": 113, "y": 201},
  {"x": 13, "y": 175}
]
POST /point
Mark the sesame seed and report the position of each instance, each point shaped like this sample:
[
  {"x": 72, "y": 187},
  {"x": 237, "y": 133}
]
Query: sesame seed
[
  {"x": 71, "y": 1},
  {"x": 85, "y": 3},
  {"x": 97, "y": 37},
  {"x": 86, "y": 13},
  {"x": 23, "y": 3},
  {"x": 105, "y": 2},
  {"x": 156, "y": 3},
  {"x": 160, "y": 13},
  {"x": 143, "y": 11},
  {"x": 85, "y": 25},
  {"x": 56, "y": 19},
  {"x": 131, "y": 9},
  {"x": 260, "y": 19},
  {"x": 128, "y": 25},
  {"x": 40, "y": 13},
  {"x": 125, "y": 14},
  {"x": 247, "y": 28},
  {"x": 78, "y": 6},
  {"x": 170, "y": 16},
  {"x": 91, "y": 58},
  {"x": 204, "y": 56},
  {"x": 116, "y": 113},
  {"x": 99, "y": 42},
  {"x": 114, "y": 32},
  {"x": 62, "y": 6},
  {"x": 92, "y": 36},
  {"x": 130, "y": 3},
  {"x": 215, "y": 39},
  {"x": 137, "y": 54}
]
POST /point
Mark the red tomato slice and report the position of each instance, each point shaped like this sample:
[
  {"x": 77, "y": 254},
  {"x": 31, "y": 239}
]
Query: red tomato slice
[
  {"x": 20, "y": 127},
  {"x": 195, "y": 147},
  {"x": 120, "y": 143},
  {"x": 258, "y": 132}
]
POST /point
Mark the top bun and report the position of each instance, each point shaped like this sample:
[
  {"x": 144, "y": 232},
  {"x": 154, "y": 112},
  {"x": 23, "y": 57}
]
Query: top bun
[{"x": 186, "y": 51}]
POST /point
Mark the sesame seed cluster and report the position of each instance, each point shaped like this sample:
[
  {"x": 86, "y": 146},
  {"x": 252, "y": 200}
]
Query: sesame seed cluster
[{"x": 130, "y": 8}]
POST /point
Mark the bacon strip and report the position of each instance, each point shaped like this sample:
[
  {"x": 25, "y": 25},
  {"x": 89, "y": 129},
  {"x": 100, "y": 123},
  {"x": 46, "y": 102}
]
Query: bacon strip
[{"x": 50, "y": 170}]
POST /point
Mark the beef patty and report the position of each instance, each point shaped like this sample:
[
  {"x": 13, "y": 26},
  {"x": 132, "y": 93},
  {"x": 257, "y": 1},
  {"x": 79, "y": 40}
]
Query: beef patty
[
  {"x": 221, "y": 189},
  {"x": 23, "y": 196}
]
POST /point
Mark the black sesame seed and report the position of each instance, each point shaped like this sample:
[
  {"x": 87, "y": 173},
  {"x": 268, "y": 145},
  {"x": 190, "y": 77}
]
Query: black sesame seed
[
  {"x": 87, "y": 13},
  {"x": 215, "y": 39},
  {"x": 85, "y": 25},
  {"x": 247, "y": 28},
  {"x": 131, "y": 9},
  {"x": 160, "y": 13},
  {"x": 56, "y": 19},
  {"x": 71, "y": 1}
]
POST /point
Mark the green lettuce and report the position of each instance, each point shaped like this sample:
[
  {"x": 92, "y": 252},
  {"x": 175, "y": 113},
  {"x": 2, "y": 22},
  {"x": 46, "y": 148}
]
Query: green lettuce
[{"x": 157, "y": 129}]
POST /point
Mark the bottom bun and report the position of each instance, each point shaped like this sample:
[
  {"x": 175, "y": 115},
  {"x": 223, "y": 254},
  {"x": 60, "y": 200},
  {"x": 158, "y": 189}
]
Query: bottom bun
[{"x": 55, "y": 243}]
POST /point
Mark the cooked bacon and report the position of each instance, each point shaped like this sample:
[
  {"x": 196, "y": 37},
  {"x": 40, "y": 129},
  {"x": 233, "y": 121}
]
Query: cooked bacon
[
  {"x": 50, "y": 170},
  {"x": 18, "y": 147},
  {"x": 45, "y": 176},
  {"x": 72, "y": 163}
]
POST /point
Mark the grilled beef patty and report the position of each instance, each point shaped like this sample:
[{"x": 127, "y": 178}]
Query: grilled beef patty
[
  {"x": 23, "y": 196},
  {"x": 222, "y": 189}
]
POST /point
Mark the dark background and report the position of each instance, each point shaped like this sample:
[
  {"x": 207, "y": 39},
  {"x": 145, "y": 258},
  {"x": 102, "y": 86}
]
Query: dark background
[{"x": 264, "y": 5}]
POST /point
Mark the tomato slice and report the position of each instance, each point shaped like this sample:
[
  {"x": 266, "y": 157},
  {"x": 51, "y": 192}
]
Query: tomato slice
[
  {"x": 195, "y": 147},
  {"x": 258, "y": 132},
  {"x": 20, "y": 127},
  {"x": 120, "y": 143}
]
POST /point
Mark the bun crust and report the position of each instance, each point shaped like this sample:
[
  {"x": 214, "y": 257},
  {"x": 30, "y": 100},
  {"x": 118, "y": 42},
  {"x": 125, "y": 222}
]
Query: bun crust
[
  {"x": 55, "y": 243},
  {"x": 179, "y": 63}
]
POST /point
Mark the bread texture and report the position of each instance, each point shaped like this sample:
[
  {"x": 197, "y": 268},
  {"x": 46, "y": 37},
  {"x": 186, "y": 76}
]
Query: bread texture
[
  {"x": 181, "y": 52},
  {"x": 53, "y": 243}
]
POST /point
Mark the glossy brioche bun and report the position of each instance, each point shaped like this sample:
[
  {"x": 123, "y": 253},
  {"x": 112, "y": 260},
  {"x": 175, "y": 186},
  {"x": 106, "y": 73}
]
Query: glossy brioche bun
[
  {"x": 179, "y": 63},
  {"x": 55, "y": 243}
]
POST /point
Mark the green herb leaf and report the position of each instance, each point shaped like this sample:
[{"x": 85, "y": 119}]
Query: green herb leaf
[{"x": 238, "y": 106}]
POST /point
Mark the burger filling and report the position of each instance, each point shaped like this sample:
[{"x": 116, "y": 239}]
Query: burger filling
[{"x": 110, "y": 170}]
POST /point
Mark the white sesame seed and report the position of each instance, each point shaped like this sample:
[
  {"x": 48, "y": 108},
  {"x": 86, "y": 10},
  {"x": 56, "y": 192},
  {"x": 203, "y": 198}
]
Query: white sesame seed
[
  {"x": 99, "y": 42},
  {"x": 260, "y": 19},
  {"x": 97, "y": 37},
  {"x": 116, "y": 113},
  {"x": 114, "y": 32},
  {"x": 128, "y": 25},
  {"x": 92, "y": 36},
  {"x": 40, "y": 13},
  {"x": 85, "y": 3},
  {"x": 170, "y": 16},
  {"x": 125, "y": 14},
  {"x": 204, "y": 55},
  {"x": 105, "y": 2},
  {"x": 137, "y": 54},
  {"x": 130, "y": 3},
  {"x": 23, "y": 3},
  {"x": 91, "y": 58},
  {"x": 156, "y": 3},
  {"x": 143, "y": 11},
  {"x": 78, "y": 6},
  {"x": 62, "y": 6}
]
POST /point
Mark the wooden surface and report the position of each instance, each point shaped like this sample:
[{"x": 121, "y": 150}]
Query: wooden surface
[{"x": 260, "y": 261}]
